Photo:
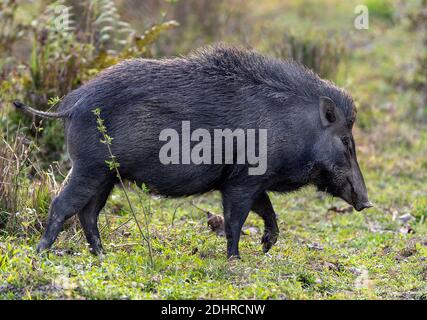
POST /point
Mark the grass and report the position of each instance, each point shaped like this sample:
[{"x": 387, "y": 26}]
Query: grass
[{"x": 320, "y": 254}]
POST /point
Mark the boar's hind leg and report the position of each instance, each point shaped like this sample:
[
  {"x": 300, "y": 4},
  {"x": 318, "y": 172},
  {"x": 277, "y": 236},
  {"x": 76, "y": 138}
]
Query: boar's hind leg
[
  {"x": 89, "y": 218},
  {"x": 83, "y": 185},
  {"x": 263, "y": 207},
  {"x": 237, "y": 203}
]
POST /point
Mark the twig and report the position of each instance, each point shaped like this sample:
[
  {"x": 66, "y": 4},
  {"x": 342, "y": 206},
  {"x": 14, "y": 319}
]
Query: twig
[
  {"x": 174, "y": 213},
  {"x": 113, "y": 165},
  {"x": 146, "y": 224},
  {"x": 203, "y": 210}
]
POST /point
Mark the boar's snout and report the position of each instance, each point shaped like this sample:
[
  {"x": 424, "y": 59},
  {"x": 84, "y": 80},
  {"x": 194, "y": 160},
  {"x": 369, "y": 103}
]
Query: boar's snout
[
  {"x": 355, "y": 192},
  {"x": 363, "y": 205}
]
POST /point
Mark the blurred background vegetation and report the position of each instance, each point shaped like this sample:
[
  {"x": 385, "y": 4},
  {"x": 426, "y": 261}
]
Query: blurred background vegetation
[{"x": 384, "y": 67}]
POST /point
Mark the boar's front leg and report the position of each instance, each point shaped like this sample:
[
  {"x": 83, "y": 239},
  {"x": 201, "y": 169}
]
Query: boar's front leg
[
  {"x": 263, "y": 207},
  {"x": 237, "y": 203}
]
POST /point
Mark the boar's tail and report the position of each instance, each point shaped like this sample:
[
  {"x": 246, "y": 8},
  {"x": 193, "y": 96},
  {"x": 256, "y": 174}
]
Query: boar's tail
[{"x": 43, "y": 114}]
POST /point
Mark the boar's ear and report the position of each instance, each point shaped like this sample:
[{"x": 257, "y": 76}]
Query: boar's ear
[{"x": 328, "y": 111}]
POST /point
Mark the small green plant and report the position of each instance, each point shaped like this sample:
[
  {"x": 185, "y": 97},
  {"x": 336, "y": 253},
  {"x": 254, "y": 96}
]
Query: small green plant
[
  {"x": 53, "y": 101},
  {"x": 107, "y": 29},
  {"x": 114, "y": 166},
  {"x": 382, "y": 9}
]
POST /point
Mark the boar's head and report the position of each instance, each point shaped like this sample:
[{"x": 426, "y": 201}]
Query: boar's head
[{"x": 336, "y": 169}]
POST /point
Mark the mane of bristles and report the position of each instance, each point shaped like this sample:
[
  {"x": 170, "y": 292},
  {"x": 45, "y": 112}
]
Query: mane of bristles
[{"x": 286, "y": 78}]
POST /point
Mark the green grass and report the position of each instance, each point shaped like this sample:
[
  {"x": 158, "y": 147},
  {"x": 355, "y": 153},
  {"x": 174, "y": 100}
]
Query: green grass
[
  {"x": 320, "y": 253},
  {"x": 190, "y": 260}
]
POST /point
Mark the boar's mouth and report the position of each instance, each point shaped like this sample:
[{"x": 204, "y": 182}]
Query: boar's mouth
[
  {"x": 351, "y": 192},
  {"x": 354, "y": 199}
]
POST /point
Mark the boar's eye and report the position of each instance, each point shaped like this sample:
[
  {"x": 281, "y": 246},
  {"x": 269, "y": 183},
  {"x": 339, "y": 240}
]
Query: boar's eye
[{"x": 346, "y": 141}]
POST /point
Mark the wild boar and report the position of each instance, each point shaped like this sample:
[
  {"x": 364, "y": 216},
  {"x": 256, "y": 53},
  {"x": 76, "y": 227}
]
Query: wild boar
[{"x": 306, "y": 122}]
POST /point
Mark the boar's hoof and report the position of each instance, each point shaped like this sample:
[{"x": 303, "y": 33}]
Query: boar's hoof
[
  {"x": 42, "y": 247},
  {"x": 234, "y": 258},
  {"x": 97, "y": 251},
  {"x": 268, "y": 240}
]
